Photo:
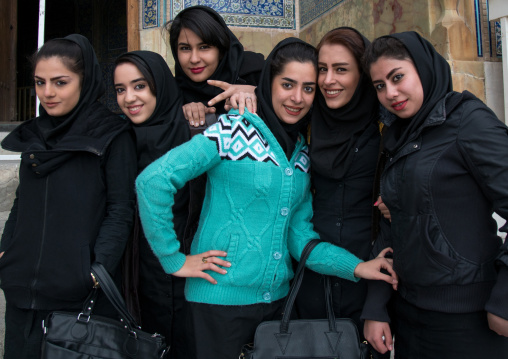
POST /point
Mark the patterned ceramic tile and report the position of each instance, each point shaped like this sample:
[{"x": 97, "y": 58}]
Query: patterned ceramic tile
[
  {"x": 254, "y": 13},
  {"x": 499, "y": 52},
  {"x": 312, "y": 9},
  {"x": 150, "y": 14},
  {"x": 477, "y": 14}
]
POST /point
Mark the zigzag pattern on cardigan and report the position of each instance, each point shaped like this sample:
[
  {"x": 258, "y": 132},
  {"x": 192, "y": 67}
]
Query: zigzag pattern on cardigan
[{"x": 236, "y": 138}]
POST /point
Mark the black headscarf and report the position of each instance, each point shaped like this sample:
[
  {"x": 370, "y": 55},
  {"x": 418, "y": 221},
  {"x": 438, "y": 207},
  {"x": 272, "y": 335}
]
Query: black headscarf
[
  {"x": 285, "y": 134},
  {"x": 334, "y": 132},
  {"x": 53, "y": 129},
  {"x": 166, "y": 127},
  {"x": 436, "y": 79},
  {"x": 235, "y": 64}
]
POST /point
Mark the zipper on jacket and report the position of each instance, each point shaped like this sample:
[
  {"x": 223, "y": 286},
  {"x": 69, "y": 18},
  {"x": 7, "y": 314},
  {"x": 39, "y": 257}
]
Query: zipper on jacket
[{"x": 43, "y": 236}]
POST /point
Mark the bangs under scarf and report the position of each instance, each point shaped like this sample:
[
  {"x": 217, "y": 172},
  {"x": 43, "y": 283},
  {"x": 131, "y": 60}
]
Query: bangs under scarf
[
  {"x": 53, "y": 129},
  {"x": 166, "y": 128},
  {"x": 334, "y": 132},
  {"x": 435, "y": 76},
  {"x": 228, "y": 70},
  {"x": 285, "y": 134}
]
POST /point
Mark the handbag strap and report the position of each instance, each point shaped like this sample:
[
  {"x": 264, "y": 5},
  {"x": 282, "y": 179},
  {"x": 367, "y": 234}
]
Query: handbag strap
[
  {"x": 111, "y": 291},
  {"x": 295, "y": 287}
]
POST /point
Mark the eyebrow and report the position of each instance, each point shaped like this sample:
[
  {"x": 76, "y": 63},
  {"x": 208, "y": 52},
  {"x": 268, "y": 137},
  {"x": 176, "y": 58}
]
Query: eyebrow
[
  {"x": 335, "y": 64},
  {"x": 294, "y": 81},
  {"x": 53, "y": 78},
  {"x": 133, "y": 81},
  {"x": 388, "y": 75}
]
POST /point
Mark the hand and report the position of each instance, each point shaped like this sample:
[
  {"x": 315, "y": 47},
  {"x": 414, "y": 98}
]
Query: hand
[
  {"x": 229, "y": 90},
  {"x": 372, "y": 269},
  {"x": 383, "y": 209},
  {"x": 196, "y": 265},
  {"x": 195, "y": 112},
  {"x": 374, "y": 333},
  {"x": 498, "y": 324},
  {"x": 2, "y": 254},
  {"x": 240, "y": 100}
]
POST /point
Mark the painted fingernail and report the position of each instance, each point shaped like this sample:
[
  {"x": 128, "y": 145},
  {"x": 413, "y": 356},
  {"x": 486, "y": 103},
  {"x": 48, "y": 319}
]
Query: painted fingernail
[
  {"x": 224, "y": 271},
  {"x": 202, "y": 123},
  {"x": 377, "y": 202}
]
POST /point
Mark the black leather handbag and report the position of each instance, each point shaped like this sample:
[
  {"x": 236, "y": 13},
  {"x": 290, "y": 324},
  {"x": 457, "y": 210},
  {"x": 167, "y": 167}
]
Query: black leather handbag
[
  {"x": 84, "y": 335},
  {"x": 318, "y": 338}
]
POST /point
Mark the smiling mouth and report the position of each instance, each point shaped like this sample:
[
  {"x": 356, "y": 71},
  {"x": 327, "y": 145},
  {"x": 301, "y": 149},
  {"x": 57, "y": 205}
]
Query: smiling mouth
[
  {"x": 197, "y": 70},
  {"x": 134, "y": 109},
  {"x": 398, "y": 106},
  {"x": 333, "y": 92},
  {"x": 295, "y": 111}
]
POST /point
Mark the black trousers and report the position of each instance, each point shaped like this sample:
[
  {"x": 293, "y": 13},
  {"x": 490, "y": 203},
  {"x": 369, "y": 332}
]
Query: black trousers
[
  {"x": 425, "y": 334},
  {"x": 220, "y": 331}
]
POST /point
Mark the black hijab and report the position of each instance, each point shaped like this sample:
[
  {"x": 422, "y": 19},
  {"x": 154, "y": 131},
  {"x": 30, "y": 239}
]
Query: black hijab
[
  {"x": 166, "y": 128},
  {"x": 53, "y": 129},
  {"x": 235, "y": 63},
  {"x": 334, "y": 132},
  {"x": 436, "y": 79},
  {"x": 285, "y": 134}
]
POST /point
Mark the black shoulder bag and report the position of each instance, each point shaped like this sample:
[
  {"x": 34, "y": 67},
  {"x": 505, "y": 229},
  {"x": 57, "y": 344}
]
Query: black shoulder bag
[
  {"x": 83, "y": 335},
  {"x": 306, "y": 338}
]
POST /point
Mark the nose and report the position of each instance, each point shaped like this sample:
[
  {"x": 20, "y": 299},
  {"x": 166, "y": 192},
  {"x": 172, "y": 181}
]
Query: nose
[
  {"x": 48, "y": 90},
  {"x": 329, "y": 79},
  {"x": 297, "y": 96},
  {"x": 130, "y": 96},
  {"x": 195, "y": 56},
  {"x": 391, "y": 91}
]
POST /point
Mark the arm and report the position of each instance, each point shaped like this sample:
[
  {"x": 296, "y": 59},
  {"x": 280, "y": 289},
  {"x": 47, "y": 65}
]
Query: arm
[
  {"x": 10, "y": 224},
  {"x": 156, "y": 187},
  {"x": 327, "y": 258},
  {"x": 482, "y": 142},
  {"x": 229, "y": 90},
  {"x": 120, "y": 168}
]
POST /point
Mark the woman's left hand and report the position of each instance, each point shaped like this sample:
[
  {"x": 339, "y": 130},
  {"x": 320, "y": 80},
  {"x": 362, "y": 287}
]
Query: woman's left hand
[
  {"x": 498, "y": 324},
  {"x": 241, "y": 100},
  {"x": 372, "y": 269},
  {"x": 229, "y": 90}
]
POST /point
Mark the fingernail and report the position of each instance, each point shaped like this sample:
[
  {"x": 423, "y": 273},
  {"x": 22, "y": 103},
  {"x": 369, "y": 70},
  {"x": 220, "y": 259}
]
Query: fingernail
[
  {"x": 390, "y": 347},
  {"x": 377, "y": 202},
  {"x": 224, "y": 271},
  {"x": 229, "y": 264},
  {"x": 202, "y": 123}
]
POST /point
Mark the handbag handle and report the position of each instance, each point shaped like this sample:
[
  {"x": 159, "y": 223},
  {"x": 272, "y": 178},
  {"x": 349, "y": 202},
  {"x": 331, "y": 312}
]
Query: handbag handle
[
  {"x": 111, "y": 291},
  {"x": 295, "y": 287}
]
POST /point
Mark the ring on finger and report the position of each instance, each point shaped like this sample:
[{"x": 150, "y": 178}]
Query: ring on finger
[
  {"x": 248, "y": 98},
  {"x": 204, "y": 260}
]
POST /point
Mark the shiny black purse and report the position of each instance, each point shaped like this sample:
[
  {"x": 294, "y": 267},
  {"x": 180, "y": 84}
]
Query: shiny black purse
[
  {"x": 84, "y": 335},
  {"x": 329, "y": 338}
]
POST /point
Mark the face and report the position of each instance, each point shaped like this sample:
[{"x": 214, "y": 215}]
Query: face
[
  {"x": 398, "y": 86},
  {"x": 293, "y": 91},
  {"x": 133, "y": 93},
  {"x": 197, "y": 59},
  {"x": 57, "y": 87},
  {"x": 338, "y": 75}
]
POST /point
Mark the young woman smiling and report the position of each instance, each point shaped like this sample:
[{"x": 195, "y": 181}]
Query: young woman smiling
[
  {"x": 74, "y": 204},
  {"x": 148, "y": 95},
  {"x": 210, "y": 63},
  {"x": 344, "y": 146},
  {"x": 447, "y": 171},
  {"x": 256, "y": 213}
]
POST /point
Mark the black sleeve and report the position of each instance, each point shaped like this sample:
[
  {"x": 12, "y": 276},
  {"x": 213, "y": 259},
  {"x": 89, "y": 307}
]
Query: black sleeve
[
  {"x": 10, "y": 224},
  {"x": 120, "y": 167}
]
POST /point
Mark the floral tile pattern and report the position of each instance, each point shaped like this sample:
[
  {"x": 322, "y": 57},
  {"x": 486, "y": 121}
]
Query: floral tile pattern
[
  {"x": 150, "y": 14},
  {"x": 312, "y": 9},
  {"x": 499, "y": 51},
  {"x": 254, "y": 13}
]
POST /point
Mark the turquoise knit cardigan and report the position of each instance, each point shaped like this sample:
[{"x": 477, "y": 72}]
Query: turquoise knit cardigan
[{"x": 257, "y": 208}]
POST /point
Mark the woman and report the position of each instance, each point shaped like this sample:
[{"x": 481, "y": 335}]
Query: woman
[
  {"x": 208, "y": 59},
  {"x": 344, "y": 148},
  {"x": 75, "y": 202},
  {"x": 447, "y": 170},
  {"x": 256, "y": 213},
  {"x": 149, "y": 96}
]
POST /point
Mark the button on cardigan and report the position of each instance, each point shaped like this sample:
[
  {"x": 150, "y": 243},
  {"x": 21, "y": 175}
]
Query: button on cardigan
[{"x": 257, "y": 208}]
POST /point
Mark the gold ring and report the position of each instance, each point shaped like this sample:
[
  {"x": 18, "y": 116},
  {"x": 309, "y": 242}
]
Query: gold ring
[{"x": 204, "y": 260}]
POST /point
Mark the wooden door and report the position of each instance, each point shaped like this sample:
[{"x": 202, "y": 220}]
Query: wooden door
[{"x": 8, "y": 38}]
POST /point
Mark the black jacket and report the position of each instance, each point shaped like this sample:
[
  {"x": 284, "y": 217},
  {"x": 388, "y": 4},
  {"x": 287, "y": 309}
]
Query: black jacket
[
  {"x": 74, "y": 205},
  {"x": 441, "y": 188},
  {"x": 343, "y": 216}
]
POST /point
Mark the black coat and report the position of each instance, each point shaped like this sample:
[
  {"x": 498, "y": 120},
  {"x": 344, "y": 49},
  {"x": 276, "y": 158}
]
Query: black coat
[
  {"x": 74, "y": 206},
  {"x": 343, "y": 216},
  {"x": 442, "y": 187}
]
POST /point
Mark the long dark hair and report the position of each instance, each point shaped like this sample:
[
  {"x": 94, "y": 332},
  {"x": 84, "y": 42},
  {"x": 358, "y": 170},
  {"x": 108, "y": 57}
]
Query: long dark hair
[
  {"x": 68, "y": 51},
  {"x": 141, "y": 66}
]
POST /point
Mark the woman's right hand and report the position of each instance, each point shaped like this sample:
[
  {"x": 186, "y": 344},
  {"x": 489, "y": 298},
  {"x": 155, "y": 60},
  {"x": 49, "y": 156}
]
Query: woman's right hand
[
  {"x": 383, "y": 209},
  {"x": 241, "y": 100},
  {"x": 196, "y": 265},
  {"x": 195, "y": 112},
  {"x": 379, "y": 335}
]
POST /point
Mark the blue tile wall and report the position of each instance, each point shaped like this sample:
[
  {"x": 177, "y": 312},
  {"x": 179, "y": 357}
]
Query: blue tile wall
[
  {"x": 150, "y": 13},
  {"x": 312, "y": 9},
  {"x": 499, "y": 51}
]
